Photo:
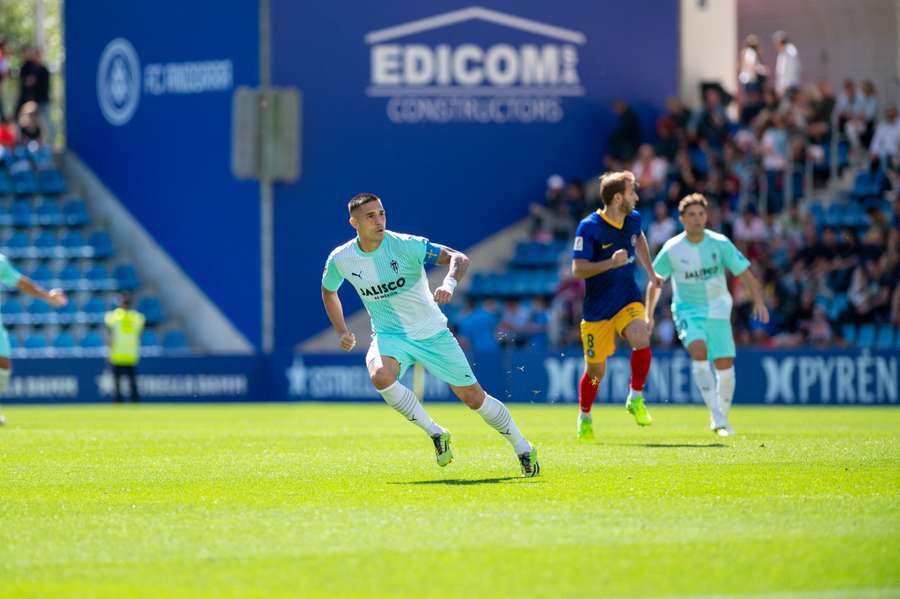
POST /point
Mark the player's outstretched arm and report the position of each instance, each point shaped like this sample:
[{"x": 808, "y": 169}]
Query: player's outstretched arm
[
  {"x": 459, "y": 263},
  {"x": 642, "y": 251},
  {"x": 760, "y": 312},
  {"x": 335, "y": 312},
  {"x": 55, "y": 297}
]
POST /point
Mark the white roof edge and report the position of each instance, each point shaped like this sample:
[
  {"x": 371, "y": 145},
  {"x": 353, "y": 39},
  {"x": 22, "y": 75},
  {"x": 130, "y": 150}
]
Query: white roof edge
[{"x": 474, "y": 12}]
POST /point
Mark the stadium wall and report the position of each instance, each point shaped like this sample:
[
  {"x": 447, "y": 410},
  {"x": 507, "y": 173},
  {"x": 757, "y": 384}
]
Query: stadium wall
[
  {"x": 455, "y": 115},
  {"x": 764, "y": 377},
  {"x": 148, "y": 109}
]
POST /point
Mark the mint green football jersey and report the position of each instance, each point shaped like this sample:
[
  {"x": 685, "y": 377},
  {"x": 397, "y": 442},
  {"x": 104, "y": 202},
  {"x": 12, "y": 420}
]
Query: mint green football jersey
[
  {"x": 391, "y": 283},
  {"x": 9, "y": 276},
  {"x": 700, "y": 289}
]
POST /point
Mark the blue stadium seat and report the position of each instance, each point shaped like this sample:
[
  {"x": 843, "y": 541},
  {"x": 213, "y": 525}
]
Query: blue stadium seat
[
  {"x": 20, "y": 210},
  {"x": 12, "y": 311},
  {"x": 91, "y": 340},
  {"x": 48, "y": 214},
  {"x": 149, "y": 339},
  {"x": 75, "y": 214},
  {"x": 50, "y": 182},
  {"x": 42, "y": 275},
  {"x": 94, "y": 309},
  {"x": 35, "y": 341},
  {"x": 17, "y": 245},
  {"x": 5, "y": 184},
  {"x": 866, "y": 335},
  {"x": 41, "y": 156},
  {"x": 74, "y": 245},
  {"x": 152, "y": 310},
  {"x": 125, "y": 277},
  {"x": 98, "y": 278},
  {"x": 101, "y": 244},
  {"x": 175, "y": 341},
  {"x": 70, "y": 277},
  {"x": 40, "y": 312},
  {"x": 868, "y": 184},
  {"x": 45, "y": 244},
  {"x": 24, "y": 183},
  {"x": 64, "y": 340},
  {"x": 14, "y": 341},
  {"x": 848, "y": 331},
  {"x": 68, "y": 314},
  {"x": 838, "y": 306},
  {"x": 885, "y": 339}
]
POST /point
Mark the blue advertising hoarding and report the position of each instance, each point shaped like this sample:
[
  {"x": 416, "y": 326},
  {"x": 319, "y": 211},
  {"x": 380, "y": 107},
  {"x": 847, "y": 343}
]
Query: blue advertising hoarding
[
  {"x": 453, "y": 113},
  {"x": 764, "y": 377},
  {"x": 148, "y": 108}
]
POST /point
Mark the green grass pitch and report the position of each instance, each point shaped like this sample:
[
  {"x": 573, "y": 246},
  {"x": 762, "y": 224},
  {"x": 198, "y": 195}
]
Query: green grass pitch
[{"x": 346, "y": 501}]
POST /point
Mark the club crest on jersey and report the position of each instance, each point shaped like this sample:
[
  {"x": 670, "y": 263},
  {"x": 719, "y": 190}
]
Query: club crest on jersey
[
  {"x": 714, "y": 256},
  {"x": 395, "y": 266}
]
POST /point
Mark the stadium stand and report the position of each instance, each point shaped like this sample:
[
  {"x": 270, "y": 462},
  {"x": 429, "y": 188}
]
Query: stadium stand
[
  {"x": 819, "y": 219},
  {"x": 51, "y": 237}
]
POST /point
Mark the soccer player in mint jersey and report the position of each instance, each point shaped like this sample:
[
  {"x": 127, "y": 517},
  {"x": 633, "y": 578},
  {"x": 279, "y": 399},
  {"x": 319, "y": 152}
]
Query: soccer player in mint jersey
[
  {"x": 387, "y": 270},
  {"x": 701, "y": 305},
  {"x": 11, "y": 277},
  {"x": 607, "y": 243}
]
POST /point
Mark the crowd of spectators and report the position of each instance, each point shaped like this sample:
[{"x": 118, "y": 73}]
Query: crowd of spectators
[
  {"x": 740, "y": 151},
  {"x": 29, "y": 119}
]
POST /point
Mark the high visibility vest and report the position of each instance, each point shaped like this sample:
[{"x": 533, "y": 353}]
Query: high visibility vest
[{"x": 125, "y": 327}]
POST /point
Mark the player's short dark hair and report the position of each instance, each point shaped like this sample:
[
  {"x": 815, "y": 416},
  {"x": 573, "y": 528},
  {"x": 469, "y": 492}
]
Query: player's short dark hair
[
  {"x": 694, "y": 199},
  {"x": 613, "y": 183},
  {"x": 360, "y": 199}
]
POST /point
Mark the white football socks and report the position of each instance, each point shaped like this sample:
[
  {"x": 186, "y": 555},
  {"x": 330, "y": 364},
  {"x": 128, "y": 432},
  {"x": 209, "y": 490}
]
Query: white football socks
[
  {"x": 704, "y": 379},
  {"x": 725, "y": 388},
  {"x": 495, "y": 413},
  {"x": 402, "y": 399}
]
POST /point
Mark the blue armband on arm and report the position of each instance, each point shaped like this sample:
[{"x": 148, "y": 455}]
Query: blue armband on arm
[{"x": 432, "y": 252}]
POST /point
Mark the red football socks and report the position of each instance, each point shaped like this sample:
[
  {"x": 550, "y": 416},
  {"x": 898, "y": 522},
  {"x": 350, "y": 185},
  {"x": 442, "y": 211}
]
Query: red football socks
[
  {"x": 640, "y": 366},
  {"x": 587, "y": 392}
]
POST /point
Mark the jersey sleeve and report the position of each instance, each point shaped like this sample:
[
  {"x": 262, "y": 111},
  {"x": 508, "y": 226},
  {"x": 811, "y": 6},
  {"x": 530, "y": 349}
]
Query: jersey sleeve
[
  {"x": 734, "y": 259},
  {"x": 418, "y": 249},
  {"x": 662, "y": 264},
  {"x": 584, "y": 241},
  {"x": 331, "y": 277},
  {"x": 8, "y": 274},
  {"x": 638, "y": 221}
]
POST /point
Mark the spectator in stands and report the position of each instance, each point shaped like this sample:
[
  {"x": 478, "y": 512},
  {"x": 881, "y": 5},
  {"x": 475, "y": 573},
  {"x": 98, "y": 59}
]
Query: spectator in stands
[
  {"x": 868, "y": 297},
  {"x": 649, "y": 172},
  {"x": 514, "y": 324},
  {"x": 667, "y": 139},
  {"x": 626, "y": 137},
  {"x": 849, "y": 103},
  {"x": 34, "y": 86},
  {"x": 710, "y": 124},
  {"x": 886, "y": 140},
  {"x": 9, "y": 136},
  {"x": 774, "y": 145},
  {"x": 752, "y": 74},
  {"x": 29, "y": 127},
  {"x": 860, "y": 122},
  {"x": 750, "y": 228},
  {"x": 677, "y": 113},
  {"x": 478, "y": 326},
  {"x": 821, "y": 107},
  {"x": 124, "y": 327},
  {"x": 662, "y": 228},
  {"x": 787, "y": 64}
]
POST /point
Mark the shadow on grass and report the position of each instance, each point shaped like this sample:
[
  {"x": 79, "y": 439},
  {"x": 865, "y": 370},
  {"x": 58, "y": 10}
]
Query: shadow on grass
[
  {"x": 668, "y": 445},
  {"x": 460, "y": 481}
]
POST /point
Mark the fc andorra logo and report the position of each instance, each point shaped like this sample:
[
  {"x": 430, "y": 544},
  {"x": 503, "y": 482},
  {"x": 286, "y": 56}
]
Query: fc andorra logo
[{"x": 119, "y": 81}]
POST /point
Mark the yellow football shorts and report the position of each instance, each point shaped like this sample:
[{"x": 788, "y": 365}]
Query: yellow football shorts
[{"x": 599, "y": 337}]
